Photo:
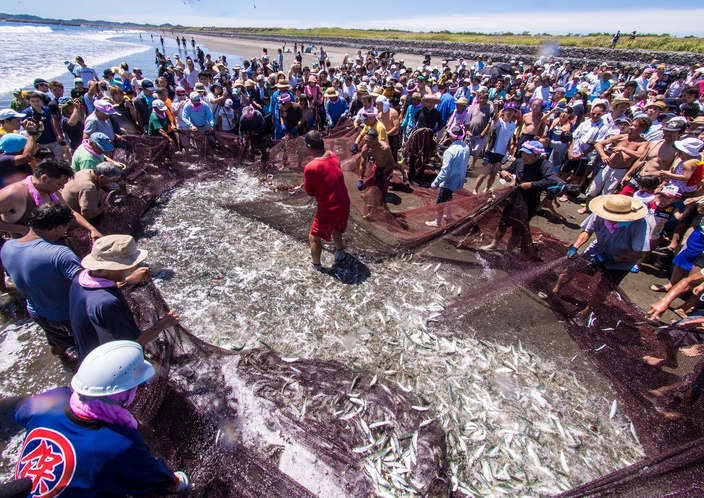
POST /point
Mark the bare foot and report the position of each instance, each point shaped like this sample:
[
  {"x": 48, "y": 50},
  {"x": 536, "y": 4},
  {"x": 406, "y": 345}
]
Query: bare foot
[
  {"x": 692, "y": 351},
  {"x": 583, "y": 210},
  {"x": 680, "y": 313},
  {"x": 433, "y": 224},
  {"x": 652, "y": 361},
  {"x": 474, "y": 192}
]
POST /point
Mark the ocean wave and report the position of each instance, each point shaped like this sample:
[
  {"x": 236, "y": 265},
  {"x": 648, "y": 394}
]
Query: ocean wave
[{"x": 34, "y": 30}]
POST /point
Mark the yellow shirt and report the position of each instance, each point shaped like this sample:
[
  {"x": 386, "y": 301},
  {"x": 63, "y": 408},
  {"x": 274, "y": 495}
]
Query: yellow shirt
[{"x": 380, "y": 129}]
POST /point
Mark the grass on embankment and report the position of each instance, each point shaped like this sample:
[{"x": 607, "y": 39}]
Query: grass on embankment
[{"x": 645, "y": 41}]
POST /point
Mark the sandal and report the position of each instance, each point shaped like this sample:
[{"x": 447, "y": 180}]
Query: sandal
[{"x": 658, "y": 288}]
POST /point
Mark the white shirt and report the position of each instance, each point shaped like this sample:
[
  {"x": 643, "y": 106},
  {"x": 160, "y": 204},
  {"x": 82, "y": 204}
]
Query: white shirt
[
  {"x": 585, "y": 135},
  {"x": 504, "y": 132},
  {"x": 191, "y": 76},
  {"x": 228, "y": 118}
]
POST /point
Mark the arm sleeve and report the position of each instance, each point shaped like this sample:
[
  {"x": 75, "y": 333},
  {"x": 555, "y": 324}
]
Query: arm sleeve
[
  {"x": 186, "y": 116},
  {"x": 549, "y": 176},
  {"x": 589, "y": 225},
  {"x": 442, "y": 175},
  {"x": 640, "y": 239},
  {"x": 67, "y": 262},
  {"x": 327, "y": 114}
]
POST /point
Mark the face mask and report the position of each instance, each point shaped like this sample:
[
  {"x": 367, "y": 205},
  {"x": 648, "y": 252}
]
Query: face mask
[{"x": 624, "y": 224}]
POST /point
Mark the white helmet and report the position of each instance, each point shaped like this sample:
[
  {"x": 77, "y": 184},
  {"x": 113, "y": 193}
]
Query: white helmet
[{"x": 112, "y": 368}]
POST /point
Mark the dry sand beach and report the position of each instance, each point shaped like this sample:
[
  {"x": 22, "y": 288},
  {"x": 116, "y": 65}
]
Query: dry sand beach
[{"x": 253, "y": 48}]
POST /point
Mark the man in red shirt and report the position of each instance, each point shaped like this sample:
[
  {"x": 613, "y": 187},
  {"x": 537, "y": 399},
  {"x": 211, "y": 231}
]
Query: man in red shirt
[{"x": 324, "y": 180}]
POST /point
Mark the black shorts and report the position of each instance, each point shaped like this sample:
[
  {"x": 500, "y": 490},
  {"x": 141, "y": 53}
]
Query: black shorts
[
  {"x": 577, "y": 167},
  {"x": 493, "y": 157},
  {"x": 58, "y": 334},
  {"x": 444, "y": 195},
  {"x": 525, "y": 138},
  {"x": 613, "y": 275}
]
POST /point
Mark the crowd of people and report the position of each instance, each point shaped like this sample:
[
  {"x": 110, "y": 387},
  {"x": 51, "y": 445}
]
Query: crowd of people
[{"x": 629, "y": 138}]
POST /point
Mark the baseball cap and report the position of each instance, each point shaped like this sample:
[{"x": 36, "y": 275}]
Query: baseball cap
[
  {"x": 12, "y": 143},
  {"x": 229, "y": 103},
  {"x": 40, "y": 81},
  {"x": 622, "y": 119},
  {"x": 17, "y": 91},
  {"x": 670, "y": 191},
  {"x": 102, "y": 141},
  {"x": 158, "y": 105},
  {"x": 147, "y": 84},
  {"x": 9, "y": 114},
  {"x": 675, "y": 124},
  {"x": 194, "y": 96},
  {"x": 511, "y": 105},
  {"x": 78, "y": 80},
  {"x": 532, "y": 147}
]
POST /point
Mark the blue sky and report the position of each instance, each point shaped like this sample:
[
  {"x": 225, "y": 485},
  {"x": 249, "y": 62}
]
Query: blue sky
[{"x": 685, "y": 17}]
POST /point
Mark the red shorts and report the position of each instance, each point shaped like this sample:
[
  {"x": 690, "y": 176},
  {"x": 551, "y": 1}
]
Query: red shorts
[
  {"x": 381, "y": 180},
  {"x": 323, "y": 228},
  {"x": 628, "y": 190}
]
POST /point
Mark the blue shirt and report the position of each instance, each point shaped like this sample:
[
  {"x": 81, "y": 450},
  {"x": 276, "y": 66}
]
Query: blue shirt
[
  {"x": 84, "y": 459},
  {"x": 446, "y": 106},
  {"x": 454, "y": 167},
  {"x": 335, "y": 111},
  {"x": 42, "y": 272},
  {"x": 633, "y": 238},
  {"x": 48, "y": 136},
  {"x": 198, "y": 117},
  {"x": 99, "y": 316}
]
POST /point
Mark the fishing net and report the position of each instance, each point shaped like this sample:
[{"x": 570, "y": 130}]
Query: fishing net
[{"x": 251, "y": 423}]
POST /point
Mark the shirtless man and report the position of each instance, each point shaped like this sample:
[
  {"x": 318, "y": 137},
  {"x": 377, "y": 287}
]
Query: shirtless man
[
  {"x": 658, "y": 157},
  {"x": 618, "y": 153},
  {"x": 390, "y": 119},
  {"x": 533, "y": 124},
  {"x": 378, "y": 153},
  {"x": 18, "y": 200}
]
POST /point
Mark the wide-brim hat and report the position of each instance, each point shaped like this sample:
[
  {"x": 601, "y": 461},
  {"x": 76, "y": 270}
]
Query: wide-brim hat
[
  {"x": 114, "y": 252},
  {"x": 617, "y": 207},
  {"x": 462, "y": 101},
  {"x": 616, "y": 102},
  {"x": 331, "y": 93},
  {"x": 282, "y": 86},
  {"x": 430, "y": 98}
]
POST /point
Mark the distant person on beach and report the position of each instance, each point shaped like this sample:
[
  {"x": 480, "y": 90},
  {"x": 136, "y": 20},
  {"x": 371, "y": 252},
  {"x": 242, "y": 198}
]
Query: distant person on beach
[
  {"x": 631, "y": 39},
  {"x": 614, "y": 40},
  {"x": 324, "y": 180},
  {"x": 81, "y": 70}
]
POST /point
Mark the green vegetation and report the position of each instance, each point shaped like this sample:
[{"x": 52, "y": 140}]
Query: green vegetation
[{"x": 643, "y": 41}]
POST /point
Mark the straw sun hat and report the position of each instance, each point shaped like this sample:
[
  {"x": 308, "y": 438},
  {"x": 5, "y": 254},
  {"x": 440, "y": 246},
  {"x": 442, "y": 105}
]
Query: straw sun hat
[{"x": 617, "y": 207}]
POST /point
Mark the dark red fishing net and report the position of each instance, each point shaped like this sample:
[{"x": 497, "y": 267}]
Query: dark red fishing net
[{"x": 190, "y": 414}]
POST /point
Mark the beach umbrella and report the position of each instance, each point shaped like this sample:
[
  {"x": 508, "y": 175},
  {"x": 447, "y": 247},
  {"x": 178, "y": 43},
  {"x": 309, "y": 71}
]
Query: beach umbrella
[{"x": 497, "y": 70}]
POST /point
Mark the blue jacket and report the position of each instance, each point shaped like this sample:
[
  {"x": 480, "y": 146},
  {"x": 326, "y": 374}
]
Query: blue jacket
[
  {"x": 446, "y": 106},
  {"x": 335, "y": 111},
  {"x": 84, "y": 459},
  {"x": 454, "y": 167}
]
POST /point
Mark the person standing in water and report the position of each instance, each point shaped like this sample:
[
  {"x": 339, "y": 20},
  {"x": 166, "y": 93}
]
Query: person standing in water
[{"x": 324, "y": 180}]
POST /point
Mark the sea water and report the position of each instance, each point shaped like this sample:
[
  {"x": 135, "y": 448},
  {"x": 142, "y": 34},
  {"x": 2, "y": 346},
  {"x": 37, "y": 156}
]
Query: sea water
[{"x": 38, "y": 51}]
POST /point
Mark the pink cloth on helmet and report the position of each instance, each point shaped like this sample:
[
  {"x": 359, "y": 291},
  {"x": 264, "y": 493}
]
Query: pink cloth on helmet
[{"x": 97, "y": 409}]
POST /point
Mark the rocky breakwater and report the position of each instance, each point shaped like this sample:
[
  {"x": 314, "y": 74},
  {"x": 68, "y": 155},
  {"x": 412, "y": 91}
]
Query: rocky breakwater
[{"x": 497, "y": 51}]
